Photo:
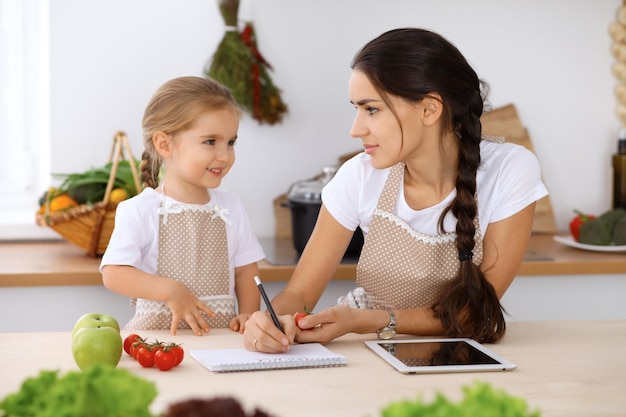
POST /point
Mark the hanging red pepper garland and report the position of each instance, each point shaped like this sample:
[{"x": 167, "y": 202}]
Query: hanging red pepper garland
[{"x": 238, "y": 64}]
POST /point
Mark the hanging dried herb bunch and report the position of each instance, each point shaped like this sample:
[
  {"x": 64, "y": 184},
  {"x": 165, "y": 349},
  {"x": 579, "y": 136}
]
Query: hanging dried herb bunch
[{"x": 238, "y": 64}]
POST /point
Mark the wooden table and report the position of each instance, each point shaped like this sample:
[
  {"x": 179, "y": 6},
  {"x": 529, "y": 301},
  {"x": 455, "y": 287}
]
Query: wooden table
[
  {"x": 565, "y": 368},
  {"x": 60, "y": 263}
]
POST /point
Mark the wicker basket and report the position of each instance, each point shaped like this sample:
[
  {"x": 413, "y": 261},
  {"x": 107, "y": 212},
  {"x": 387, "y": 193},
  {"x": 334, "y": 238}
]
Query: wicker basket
[{"x": 89, "y": 226}]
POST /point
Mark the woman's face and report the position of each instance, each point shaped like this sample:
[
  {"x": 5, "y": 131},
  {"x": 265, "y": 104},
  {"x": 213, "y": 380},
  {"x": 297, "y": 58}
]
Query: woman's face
[{"x": 384, "y": 139}]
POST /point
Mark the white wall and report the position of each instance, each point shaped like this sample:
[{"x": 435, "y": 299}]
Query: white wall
[{"x": 550, "y": 58}]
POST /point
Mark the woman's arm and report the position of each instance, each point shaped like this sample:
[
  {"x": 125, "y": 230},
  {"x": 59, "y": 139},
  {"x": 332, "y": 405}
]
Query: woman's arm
[
  {"x": 504, "y": 247},
  {"x": 318, "y": 263},
  {"x": 316, "y": 266}
]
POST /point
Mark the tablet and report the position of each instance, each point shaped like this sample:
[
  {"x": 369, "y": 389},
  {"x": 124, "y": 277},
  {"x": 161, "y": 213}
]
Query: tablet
[{"x": 416, "y": 356}]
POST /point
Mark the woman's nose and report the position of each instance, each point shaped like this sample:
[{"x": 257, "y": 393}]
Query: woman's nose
[{"x": 357, "y": 130}]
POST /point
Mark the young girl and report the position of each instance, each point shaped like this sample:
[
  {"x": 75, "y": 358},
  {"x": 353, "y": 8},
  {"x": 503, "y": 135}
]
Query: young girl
[
  {"x": 183, "y": 250},
  {"x": 446, "y": 212}
]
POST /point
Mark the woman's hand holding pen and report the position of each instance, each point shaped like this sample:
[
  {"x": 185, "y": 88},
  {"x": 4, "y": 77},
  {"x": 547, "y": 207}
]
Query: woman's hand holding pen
[
  {"x": 261, "y": 334},
  {"x": 186, "y": 306}
]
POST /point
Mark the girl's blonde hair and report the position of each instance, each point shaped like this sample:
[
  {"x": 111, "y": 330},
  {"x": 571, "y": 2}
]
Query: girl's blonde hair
[{"x": 173, "y": 108}]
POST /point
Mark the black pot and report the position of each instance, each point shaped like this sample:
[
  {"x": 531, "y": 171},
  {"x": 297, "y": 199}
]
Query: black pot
[{"x": 304, "y": 214}]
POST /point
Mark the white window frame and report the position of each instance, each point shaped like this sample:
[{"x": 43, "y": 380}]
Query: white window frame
[{"x": 24, "y": 116}]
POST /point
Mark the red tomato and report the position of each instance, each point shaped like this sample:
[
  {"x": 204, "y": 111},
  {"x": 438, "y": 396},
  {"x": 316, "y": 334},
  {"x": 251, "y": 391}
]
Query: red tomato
[
  {"x": 145, "y": 357},
  {"x": 178, "y": 352},
  {"x": 298, "y": 317},
  {"x": 130, "y": 339},
  {"x": 156, "y": 346},
  {"x": 165, "y": 359},
  {"x": 134, "y": 347}
]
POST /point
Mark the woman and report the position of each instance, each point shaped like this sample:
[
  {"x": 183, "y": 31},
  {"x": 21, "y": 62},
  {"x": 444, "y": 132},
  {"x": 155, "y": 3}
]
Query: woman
[{"x": 446, "y": 213}]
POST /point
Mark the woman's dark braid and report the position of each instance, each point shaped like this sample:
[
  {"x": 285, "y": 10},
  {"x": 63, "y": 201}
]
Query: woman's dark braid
[
  {"x": 470, "y": 306},
  {"x": 464, "y": 207}
]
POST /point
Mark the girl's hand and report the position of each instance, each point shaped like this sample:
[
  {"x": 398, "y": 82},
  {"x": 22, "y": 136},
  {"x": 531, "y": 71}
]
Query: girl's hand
[
  {"x": 260, "y": 333},
  {"x": 186, "y": 306},
  {"x": 238, "y": 323}
]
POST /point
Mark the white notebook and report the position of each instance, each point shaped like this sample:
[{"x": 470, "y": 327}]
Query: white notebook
[{"x": 306, "y": 355}]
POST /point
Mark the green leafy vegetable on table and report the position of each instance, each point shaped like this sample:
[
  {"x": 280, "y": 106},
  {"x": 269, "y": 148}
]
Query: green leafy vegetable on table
[
  {"x": 105, "y": 391},
  {"x": 480, "y": 399},
  {"x": 100, "y": 391}
]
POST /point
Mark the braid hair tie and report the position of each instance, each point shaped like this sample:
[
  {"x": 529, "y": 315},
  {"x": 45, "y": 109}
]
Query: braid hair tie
[{"x": 466, "y": 256}]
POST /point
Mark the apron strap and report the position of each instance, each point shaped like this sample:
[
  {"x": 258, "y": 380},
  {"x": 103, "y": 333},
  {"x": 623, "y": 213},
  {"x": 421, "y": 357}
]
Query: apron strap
[{"x": 389, "y": 195}]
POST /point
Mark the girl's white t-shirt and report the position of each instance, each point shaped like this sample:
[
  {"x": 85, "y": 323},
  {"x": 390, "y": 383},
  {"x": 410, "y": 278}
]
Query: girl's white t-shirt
[
  {"x": 507, "y": 181},
  {"x": 135, "y": 238}
]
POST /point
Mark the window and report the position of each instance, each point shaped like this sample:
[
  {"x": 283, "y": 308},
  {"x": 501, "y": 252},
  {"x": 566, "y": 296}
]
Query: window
[{"x": 24, "y": 115}]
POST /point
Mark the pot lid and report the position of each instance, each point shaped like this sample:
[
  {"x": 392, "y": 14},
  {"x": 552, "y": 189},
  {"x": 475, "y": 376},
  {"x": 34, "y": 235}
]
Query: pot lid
[
  {"x": 311, "y": 190},
  {"x": 306, "y": 190}
]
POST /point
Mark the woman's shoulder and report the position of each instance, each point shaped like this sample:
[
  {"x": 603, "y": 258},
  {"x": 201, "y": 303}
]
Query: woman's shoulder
[
  {"x": 360, "y": 167},
  {"x": 497, "y": 153}
]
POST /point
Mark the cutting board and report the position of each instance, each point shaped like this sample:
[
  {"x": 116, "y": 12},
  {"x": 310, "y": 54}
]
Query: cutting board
[{"x": 504, "y": 121}]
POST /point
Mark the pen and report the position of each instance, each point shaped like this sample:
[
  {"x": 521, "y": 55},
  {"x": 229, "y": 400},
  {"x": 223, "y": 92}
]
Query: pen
[{"x": 268, "y": 304}]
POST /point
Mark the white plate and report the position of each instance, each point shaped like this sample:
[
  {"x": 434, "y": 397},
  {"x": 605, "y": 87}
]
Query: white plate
[{"x": 569, "y": 241}]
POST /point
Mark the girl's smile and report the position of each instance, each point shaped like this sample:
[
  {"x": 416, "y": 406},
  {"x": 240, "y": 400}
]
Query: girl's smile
[{"x": 200, "y": 156}]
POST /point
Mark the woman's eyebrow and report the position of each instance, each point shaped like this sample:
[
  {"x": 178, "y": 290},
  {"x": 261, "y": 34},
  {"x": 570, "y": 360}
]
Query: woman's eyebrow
[{"x": 364, "y": 101}]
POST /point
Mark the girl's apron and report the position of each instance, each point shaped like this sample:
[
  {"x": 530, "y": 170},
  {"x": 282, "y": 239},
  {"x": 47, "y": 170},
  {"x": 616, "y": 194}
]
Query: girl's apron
[
  {"x": 193, "y": 249},
  {"x": 400, "y": 267}
]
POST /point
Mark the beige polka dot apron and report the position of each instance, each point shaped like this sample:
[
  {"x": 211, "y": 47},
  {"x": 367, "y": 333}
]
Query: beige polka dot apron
[
  {"x": 193, "y": 249},
  {"x": 400, "y": 267}
]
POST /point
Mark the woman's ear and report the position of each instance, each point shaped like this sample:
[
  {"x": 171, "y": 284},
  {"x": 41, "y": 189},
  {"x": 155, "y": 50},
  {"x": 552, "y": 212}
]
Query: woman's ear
[
  {"x": 162, "y": 144},
  {"x": 432, "y": 109}
]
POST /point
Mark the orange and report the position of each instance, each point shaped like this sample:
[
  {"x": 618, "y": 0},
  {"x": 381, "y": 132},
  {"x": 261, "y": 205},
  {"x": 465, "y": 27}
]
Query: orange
[
  {"x": 117, "y": 195},
  {"x": 62, "y": 202}
]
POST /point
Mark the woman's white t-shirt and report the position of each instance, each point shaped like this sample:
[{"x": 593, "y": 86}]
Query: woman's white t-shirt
[
  {"x": 507, "y": 181},
  {"x": 135, "y": 238}
]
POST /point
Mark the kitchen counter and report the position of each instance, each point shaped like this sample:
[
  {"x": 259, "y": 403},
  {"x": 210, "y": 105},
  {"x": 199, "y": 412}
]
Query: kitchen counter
[
  {"x": 55, "y": 263},
  {"x": 564, "y": 368}
]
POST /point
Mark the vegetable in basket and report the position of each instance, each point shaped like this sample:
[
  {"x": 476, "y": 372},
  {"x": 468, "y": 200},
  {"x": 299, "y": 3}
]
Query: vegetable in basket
[{"x": 89, "y": 187}]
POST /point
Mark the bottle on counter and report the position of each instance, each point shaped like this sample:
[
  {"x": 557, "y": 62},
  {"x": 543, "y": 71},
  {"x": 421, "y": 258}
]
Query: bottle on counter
[{"x": 619, "y": 172}]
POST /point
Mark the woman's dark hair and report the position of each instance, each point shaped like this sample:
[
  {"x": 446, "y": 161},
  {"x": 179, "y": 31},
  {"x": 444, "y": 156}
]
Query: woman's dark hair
[{"x": 413, "y": 64}]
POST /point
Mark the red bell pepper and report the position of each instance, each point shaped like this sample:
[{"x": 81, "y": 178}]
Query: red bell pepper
[{"x": 579, "y": 220}]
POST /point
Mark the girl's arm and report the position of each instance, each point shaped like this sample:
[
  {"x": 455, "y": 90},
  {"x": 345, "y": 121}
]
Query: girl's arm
[
  {"x": 248, "y": 296},
  {"x": 132, "y": 282}
]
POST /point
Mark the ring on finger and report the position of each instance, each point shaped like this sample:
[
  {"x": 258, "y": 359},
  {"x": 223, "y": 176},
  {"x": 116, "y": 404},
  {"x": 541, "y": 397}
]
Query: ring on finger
[{"x": 254, "y": 343}]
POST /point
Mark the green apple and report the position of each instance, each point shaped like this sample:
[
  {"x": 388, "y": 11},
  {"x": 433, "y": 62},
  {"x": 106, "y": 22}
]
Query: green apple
[
  {"x": 95, "y": 320},
  {"x": 96, "y": 339}
]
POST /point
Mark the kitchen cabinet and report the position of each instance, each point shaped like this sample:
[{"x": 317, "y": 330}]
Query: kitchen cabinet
[{"x": 47, "y": 285}]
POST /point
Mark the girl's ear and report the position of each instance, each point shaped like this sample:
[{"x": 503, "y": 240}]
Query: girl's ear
[
  {"x": 432, "y": 109},
  {"x": 162, "y": 144}
]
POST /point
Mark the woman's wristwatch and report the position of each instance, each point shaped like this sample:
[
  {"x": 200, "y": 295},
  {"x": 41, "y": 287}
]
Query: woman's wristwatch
[{"x": 389, "y": 331}]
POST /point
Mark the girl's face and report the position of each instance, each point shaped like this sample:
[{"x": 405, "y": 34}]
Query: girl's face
[
  {"x": 203, "y": 154},
  {"x": 384, "y": 139}
]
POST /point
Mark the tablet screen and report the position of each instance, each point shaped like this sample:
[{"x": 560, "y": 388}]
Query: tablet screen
[{"x": 439, "y": 355}]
